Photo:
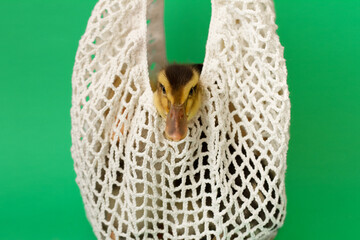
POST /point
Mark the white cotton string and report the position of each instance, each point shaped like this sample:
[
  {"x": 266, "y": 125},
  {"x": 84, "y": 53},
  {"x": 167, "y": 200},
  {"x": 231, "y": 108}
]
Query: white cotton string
[{"x": 225, "y": 180}]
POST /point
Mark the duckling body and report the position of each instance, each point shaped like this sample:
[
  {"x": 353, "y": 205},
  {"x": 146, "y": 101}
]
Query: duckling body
[{"x": 177, "y": 98}]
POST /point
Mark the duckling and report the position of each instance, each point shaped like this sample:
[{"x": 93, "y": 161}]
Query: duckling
[{"x": 177, "y": 97}]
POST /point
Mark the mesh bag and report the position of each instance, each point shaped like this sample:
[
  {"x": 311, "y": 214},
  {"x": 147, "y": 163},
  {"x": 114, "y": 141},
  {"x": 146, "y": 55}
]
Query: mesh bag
[{"x": 225, "y": 180}]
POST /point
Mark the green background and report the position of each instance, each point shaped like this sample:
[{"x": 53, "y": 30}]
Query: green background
[{"x": 39, "y": 198}]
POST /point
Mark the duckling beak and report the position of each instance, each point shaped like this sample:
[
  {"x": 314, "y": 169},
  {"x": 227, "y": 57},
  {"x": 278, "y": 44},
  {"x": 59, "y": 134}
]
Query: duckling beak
[{"x": 176, "y": 123}]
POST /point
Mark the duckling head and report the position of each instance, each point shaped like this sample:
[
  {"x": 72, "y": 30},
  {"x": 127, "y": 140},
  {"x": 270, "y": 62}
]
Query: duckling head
[{"x": 177, "y": 97}]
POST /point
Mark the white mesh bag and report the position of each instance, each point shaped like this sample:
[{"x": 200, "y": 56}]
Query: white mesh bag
[{"x": 225, "y": 180}]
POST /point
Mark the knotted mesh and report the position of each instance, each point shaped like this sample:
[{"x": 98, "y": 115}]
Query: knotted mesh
[{"x": 225, "y": 180}]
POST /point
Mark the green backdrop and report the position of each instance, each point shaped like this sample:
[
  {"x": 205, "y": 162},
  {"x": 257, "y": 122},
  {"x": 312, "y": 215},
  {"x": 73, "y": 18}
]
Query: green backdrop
[{"x": 39, "y": 198}]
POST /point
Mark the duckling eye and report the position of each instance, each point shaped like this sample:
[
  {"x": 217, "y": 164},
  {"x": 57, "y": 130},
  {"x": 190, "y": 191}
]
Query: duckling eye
[
  {"x": 162, "y": 89},
  {"x": 192, "y": 91}
]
